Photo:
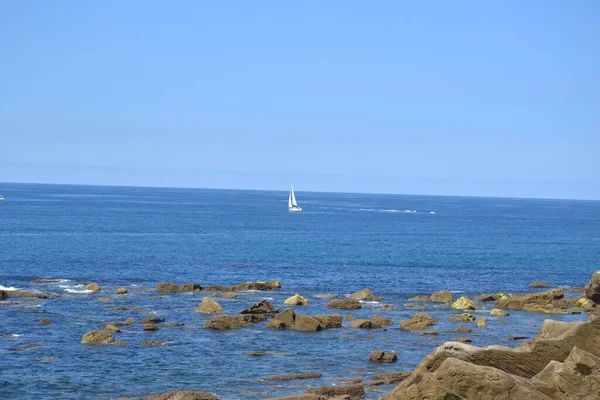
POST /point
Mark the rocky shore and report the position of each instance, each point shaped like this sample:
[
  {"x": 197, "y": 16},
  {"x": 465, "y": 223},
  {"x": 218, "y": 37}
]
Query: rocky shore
[{"x": 561, "y": 362}]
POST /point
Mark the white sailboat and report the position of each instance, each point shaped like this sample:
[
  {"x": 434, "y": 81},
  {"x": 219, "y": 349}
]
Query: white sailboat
[{"x": 292, "y": 205}]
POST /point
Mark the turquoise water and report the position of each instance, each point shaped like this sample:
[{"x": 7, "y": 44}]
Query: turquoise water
[{"x": 137, "y": 237}]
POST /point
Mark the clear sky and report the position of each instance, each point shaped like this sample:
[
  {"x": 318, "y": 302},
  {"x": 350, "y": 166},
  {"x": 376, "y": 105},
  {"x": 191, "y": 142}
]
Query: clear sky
[{"x": 498, "y": 98}]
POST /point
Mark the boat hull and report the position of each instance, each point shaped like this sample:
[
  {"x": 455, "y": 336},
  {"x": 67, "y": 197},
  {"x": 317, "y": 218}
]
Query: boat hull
[{"x": 295, "y": 209}]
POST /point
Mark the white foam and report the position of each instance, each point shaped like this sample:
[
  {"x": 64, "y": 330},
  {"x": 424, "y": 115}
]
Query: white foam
[
  {"x": 8, "y": 288},
  {"x": 368, "y": 302},
  {"x": 457, "y": 291},
  {"x": 78, "y": 291},
  {"x": 13, "y": 335}
]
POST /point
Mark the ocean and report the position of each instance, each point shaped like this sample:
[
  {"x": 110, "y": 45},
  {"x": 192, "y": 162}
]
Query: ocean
[{"x": 136, "y": 237}]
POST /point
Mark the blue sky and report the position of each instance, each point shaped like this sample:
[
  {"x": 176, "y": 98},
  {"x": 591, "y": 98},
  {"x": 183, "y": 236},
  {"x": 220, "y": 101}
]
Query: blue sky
[{"x": 461, "y": 98}]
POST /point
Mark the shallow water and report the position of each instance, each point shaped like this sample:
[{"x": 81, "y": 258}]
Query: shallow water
[{"x": 137, "y": 237}]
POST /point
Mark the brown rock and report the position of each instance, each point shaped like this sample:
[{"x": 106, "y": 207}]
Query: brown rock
[
  {"x": 272, "y": 285},
  {"x": 482, "y": 322},
  {"x": 344, "y": 304},
  {"x": 463, "y": 303},
  {"x": 381, "y": 320},
  {"x": 352, "y": 391},
  {"x": 93, "y": 287},
  {"x": 44, "y": 322},
  {"x": 121, "y": 290},
  {"x": 379, "y": 356},
  {"x": 464, "y": 317},
  {"x": 182, "y": 395},
  {"x": 366, "y": 295},
  {"x": 296, "y": 300},
  {"x": 305, "y": 323},
  {"x": 496, "y": 312},
  {"x": 420, "y": 298},
  {"x": 577, "y": 289},
  {"x": 227, "y": 295},
  {"x": 487, "y": 297},
  {"x": 3, "y": 295},
  {"x": 234, "y": 321},
  {"x": 150, "y": 327},
  {"x": 168, "y": 287},
  {"x": 385, "y": 307},
  {"x": 394, "y": 377},
  {"x": 329, "y": 321},
  {"x": 152, "y": 320},
  {"x": 148, "y": 343},
  {"x": 592, "y": 289},
  {"x": 97, "y": 337},
  {"x": 128, "y": 321},
  {"x": 418, "y": 321},
  {"x": 433, "y": 333},
  {"x": 209, "y": 306},
  {"x": 364, "y": 324},
  {"x": 174, "y": 324},
  {"x": 532, "y": 302},
  {"x": 442, "y": 297},
  {"x": 539, "y": 285},
  {"x": 104, "y": 299},
  {"x": 462, "y": 329},
  {"x": 290, "y": 377},
  {"x": 264, "y": 307},
  {"x": 517, "y": 337},
  {"x": 112, "y": 328},
  {"x": 285, "y": 319},
  {"x": 303, "y": 397},
  {"x": 30, "y": 295},
  {"x": 464, "y": 340}
]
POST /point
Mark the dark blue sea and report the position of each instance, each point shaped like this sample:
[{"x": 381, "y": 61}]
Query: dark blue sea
[{"x": 136, "y": 237}]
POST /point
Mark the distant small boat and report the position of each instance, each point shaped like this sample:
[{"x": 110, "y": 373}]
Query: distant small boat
[
  {"x": 431, "y": 212},
  {"x": 1, "y": 197},
  {"x": 292, "y": 205}
]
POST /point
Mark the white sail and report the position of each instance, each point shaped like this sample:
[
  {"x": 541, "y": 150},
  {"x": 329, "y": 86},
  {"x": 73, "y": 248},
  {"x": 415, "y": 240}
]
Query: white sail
[
  {"x": 293, "y": 198},
  {"x": 290, "y": 200}
]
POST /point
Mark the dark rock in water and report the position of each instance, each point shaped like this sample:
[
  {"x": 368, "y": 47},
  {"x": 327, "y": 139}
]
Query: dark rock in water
[
  {"x": 551, "y": 300},
  {"x": 305, "y": 323},
  {"x": 487, "y": 297},
  {"x": 385, "y": 307},
  {"x": 364, "y": 324},
  {"x": 463, "y": 340},
  {"x": 234, "y": 321},
  {"x": 285, "y": 319},
  {"x": 379, "y": 356},
  {"x": 125, "y": 308},
  {"x": 209, "y": 306},
  {"x": 289, "y": 377},
  {"x": 121, "y": 290},
  {"x": 3, "y": 295},
  {"x": 420, "y": 298},
  {"x": 366, "y": 295},
  {"x": 517, "y": 337},
  {"x": 174, "y": 324},
  {"x": 44, "y": 322},
  {"x": 539, "y": 285},
  {"x": 47, "y": 281},
  {"x": 148, "y": 343},
  {"x": 93, "y": 287},
  {"x": 263, "y": 286},
  {"x": 352, "y": 391},
  {"x": 418, "y": 321},
  {"x": 152, "y": 320},
  {"x": 329, "y": 321},
  {"x": 592, "y": 289},
  {"x": 104, "y": 299},
  {"x": 128, "y": 321},
  {"x": 112, "y": 328},
  {"x": 30, "y": 295},
  {"x": 381, "y": 320},
  {"x": 441, "y": 297},
  {"x": 464, "y": 317},
  {"x": 264, "y": 307},
  {"x": 463, "y": 329},
  {"x": 97, "y": 337},
  {"x": 344, "y": 304},
  {"x": 182, "y": 395},
  {"x": 175, "y": 288},
  {"x": 150, "y": 327},
  {"x": 433, "y": 333}
]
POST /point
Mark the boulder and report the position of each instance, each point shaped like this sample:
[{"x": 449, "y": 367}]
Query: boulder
[
  {"x": 152, "y": 320},
  {"x": 463, "y": 303},
  {"x": 381, "y": 320},
  {"x": 169, "y": 287},
  {"x": 487, "y": 297},
  {"x": 103, "y": 300},
  {"x": 286, "y": 317},
  {"x": 441, "y": 297},
  {"x": 433, "y": 333},
  {"x": 234, "y": 321},
  {"x": 482, "y": 322},
  {"x": 496, "y": 312},
  {"x": 44, "y": 322},
  {"x": 464, "y": 317},
  {"x": 592, "y": 289},
  {"x": 539, "y": 285},
  {"x": 121, "y": 290},
  {"x": 463, "y": 340},
  {"x": 462, "y": 329},
  {"x": 97, "y": 337},
  {"x": 148, "y": 343},
  {"x": 305, "y": 323},
  {"x": 502, "y": 295},
  {"x": 584, "y": 303},
  {"x": 270, "y": 285},
  {"x": 352, "y": 392},
  {"x": 263, "y": 307},
  {"x": 329, "y": 321},
  {"x": 291, "y": 377},
  {"x": 344, "y": 304},
  {"x": 418, "y": 321},
  {"x": 150, "y": 327},
  {"x": 112, "y": 328},
  {"x": 182, "y": 395},
  {"x": 296, "y": 300},
  {"x": 549, "y": 300},
  {"x": 420, "y": 298},
  {"x": 364, "y": 324},
  {"x": 209, "y": 306},
  {"x": 93, "y": 287},
  {"x": 365, "y": 295},
  {"x": 379, "y": 356}
]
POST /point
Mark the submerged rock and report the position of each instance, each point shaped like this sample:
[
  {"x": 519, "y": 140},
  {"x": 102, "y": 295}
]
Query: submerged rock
[
  {"x": 463, "y": 303},
  {"x": 592, "y": 289},
  {"x": 420, "y": 298},
  {"x": 152, "y": 320},
  {"x": 351, "y": 392},
  {"x": 150, "y": 327},
  {"x": 344, "y": 304},
  {"x": 290, "y": 377},
  {"x": 296, "y": 300},
  {"x": 381, "y": 320},
  {"x": 464, "y": 317},
  {"x": 227, "y": 295},
  {"x": 462, "y": 329},
  {"x": 182, "y": 395},
  {"x": 418, "y": 321},
  {"x": 209, "y": 306},
  {"x": 269, "y": 285},
  {"x": 379, "y": 356},
  {"x": 482, "y": 322},
  {"x": 93, "y": 287},
  {"x": 97, "y": 337},
  {"x": 148, "y": 343},
  {"x": 234, "y": 321},
  {"x": 44, "y": 322},
  {"x": 539, "y": 285},
  {"x": 168, "y": 287},
  {"x": 30, "y": 295},
  {"x": 365, "y": 295},
  {"x": 3, "y": 295}
]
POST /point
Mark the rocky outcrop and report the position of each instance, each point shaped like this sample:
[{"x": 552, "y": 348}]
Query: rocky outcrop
[
  {"x": 296, "y": 300},
  {"x": 352, "y": 392},
  {"x": 592, "y": 289},
  {"x": 344, "y": 304},
  {"x": 288, "y": 319},
  {"x": 305, "y": 323},
  {"x": 121, "y": 290},
  {"x": 227, "y": 295},
  {"x": 150, "y": 327},
  {"x": 442, "y": 297},
  {"x": 263, "y": 307},
  {"x": 463, "y": 303},
  {"x": 584, "y": 303},
  {"x": 329, "y": 321},
  {"x": 482, "y": 322},
  {"x": 364, "y": 324},
  {"x": 365, "y": 295},
  {"x": 291, "y": 377},
  {"x": 487, "y": 297},
  {"x": 464, "y": 317},
  {"x": 496, "y": 312},
  {"x": 418, "y": 321},
  {"x": 97, "y": 337},
  {"x": 378, "y": 356},
  {"x": 182, "y": 395},
  {"x": 150, "y": 343},
  {"x": 420, "y": 298},
  {"x": 168, "y": 287},
  {"x": 234, "y": 321},
  {"x": 549, "y": 301},
  {"x": 394, "y": 377},
  {"x": 152, "y": 320},
  {"x": 93, "y": 287},
  {"x": 209, "y": 306},
  {"x": 381, "y": 320},
  {"x": 539, "y": 285},
  {"x": 270, "y": 285},
  {"x": 30, "y": 295},
  {"x": 112, "y": 328}
]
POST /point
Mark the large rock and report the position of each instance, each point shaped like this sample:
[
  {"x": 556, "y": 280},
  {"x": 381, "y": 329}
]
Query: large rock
[
  {"x": 209, "y": 306},
  {"x": 549, "y": 301},
  {"x": 487, "y": 297},
  {"x": 93, "y": 287},
  {"x": 175, "y": 288},
  {"x": 263, "y": 307},
  {"x": 344, "y": 304},
  {"x": 305, "y": 323},
  {"x": 97, "y": 337},
  {"x": 329, "y": 321},
  {"x": 234, "y": 321},
  {"x": 592, "y": 289},
  {"x": 463, "y": 303},
  {"x": 539, "y": 285},
  {"x": 441, "y": 297},
  {"x": 365, "y": 295},
  {"x": 381, "y": 320},
  {"x": 578, "y": 377},
  {"x": 182, "y": 395},
  {"x": 379, "y": 356},
  {"x": 420, "y": 298},
  {"x": 296, "y": 300},
  {"x": 364, "y": 324},
  {"x": 121, "y": 290},
  {"x": 30, "y": 295},
  {"x": 496, "y": 312},
  {"x": 464, "y": 317},
  {"x": 270, "y": 285},
  {"x": 352, "y": 392},
  {"x": 418, "y": 321},
  {"x": 285, "y": 319}
]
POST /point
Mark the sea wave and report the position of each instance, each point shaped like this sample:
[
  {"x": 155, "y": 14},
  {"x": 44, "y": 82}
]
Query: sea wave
[
  {"x": 77, "y": 289},
  {"x": 8, "y": 288}
]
